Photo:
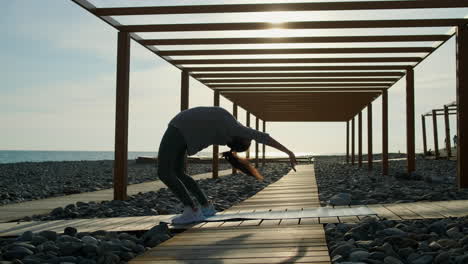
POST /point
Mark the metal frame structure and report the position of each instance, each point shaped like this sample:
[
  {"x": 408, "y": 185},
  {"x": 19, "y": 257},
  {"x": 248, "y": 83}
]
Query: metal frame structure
[{"x": 347, "y": 88}]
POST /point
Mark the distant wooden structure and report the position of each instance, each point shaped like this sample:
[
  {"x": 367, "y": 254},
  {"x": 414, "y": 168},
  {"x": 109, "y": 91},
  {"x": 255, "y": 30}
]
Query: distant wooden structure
[{"x": 331, "y": 93}]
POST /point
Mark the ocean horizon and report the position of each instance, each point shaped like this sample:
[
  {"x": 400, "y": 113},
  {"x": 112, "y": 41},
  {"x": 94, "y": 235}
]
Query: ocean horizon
[{"x": 15, "y": 156}]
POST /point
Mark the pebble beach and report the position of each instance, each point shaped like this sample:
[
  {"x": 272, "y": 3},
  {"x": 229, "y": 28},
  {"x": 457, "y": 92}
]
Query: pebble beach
[{"x": 370, "y": 241}]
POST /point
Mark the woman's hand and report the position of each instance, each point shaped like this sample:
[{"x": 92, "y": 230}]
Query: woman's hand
[{"x": 292, "y": 159}]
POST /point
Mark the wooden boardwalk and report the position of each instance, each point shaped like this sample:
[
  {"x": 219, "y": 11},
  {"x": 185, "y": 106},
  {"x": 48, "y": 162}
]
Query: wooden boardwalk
[{"x": 17, "y": 211}]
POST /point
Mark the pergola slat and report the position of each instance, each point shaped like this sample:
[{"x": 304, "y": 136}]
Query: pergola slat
[
  {"x": 266, "y": 90},
  {"x": 298, "y": 68},
  {"x": 296, "y": 74},
  {"x": 322, "y": 39},
  {"x": 298, "y": 60},
  {"x": 236, "y": 8},
  {"x": 211, "y": 81},
  {"x": 378, "y": 85},
  {"x": 295, "y": 51},
  {"x": 294, "y": 25}
]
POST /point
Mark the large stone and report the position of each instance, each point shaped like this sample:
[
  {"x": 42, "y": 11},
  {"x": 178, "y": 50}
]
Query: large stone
[
  {"x": 340, "y": 199},
  {"x": 424, "y": 259},
  {"x": 17, "y": 253},
  {"x": 443, "y": 257},
  {"x": 343, "y": 250},
  {"x": 393, "y": 232},
  {"x": 392, "y": 260},
  {"x": 454, "y": 233},
  {"x": 50, "y": 235},
  {"x": 359, "y": 255},
  {"x": 26, "y": 236},
  {"x": 89, "y": 240}
]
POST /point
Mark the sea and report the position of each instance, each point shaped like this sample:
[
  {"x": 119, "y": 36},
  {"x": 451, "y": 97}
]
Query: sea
[{"x": 14, "y": 156}]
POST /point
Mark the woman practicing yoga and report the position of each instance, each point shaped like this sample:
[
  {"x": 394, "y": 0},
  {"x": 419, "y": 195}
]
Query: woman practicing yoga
[{"x": 191, "y": 131}]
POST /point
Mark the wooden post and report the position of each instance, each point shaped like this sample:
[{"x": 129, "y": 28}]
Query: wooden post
[
  {"x": 448, "y": 146},
  {"x": 256, "y": 143},
  {"x": 360, "y": 139},
  {"x": 353, "y": 157},
  {"x": 370, "y": 154},
  {"x": 410, "y": 144},
  {"x": 264, "y": 146},
  {"x": 423, "y": 122},
  {"x": 234, "y": 113},
  {"x": 215, "y": 147},
  {"x": 247, "y": 121},
  {"x": 385, "y": 132},
  {"x": 184, "y": 101},
  {"x": 347, "y": 142},
  {"x": 436, "y": 136},
  {"x": 184, "y": 90},
  {"x": 462, "y": 98},
  {"x": 121, "y": 116}
]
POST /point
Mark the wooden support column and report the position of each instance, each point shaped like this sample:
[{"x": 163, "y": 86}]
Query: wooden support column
[
  {"x": 234, "y": 113},
  {"x": 184, "y": 90},
  {"x": 448, "y": 146},
  {"x": 353, "y": 157},
  {"x": 247, "y": 121},
  {"x": 215, "y": 147},
  {"x": 121, "y": 116},
  {"x": 370, "y": 153},
  {"x": 410, "y": 144},
  {"x": 436, "y": 134},
  {"x": 256, "y": 143},
  {"x": 423, "y": 122},
  {"x": 264, "y": 146},
  {"x": 462, "y": 98},
  {"x": 360, "y": 139},
  {"x": 384, "y": 132},
  {"x": 347, "y": 142}
]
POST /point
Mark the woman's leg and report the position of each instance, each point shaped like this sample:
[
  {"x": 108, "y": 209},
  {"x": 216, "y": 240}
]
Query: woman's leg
[
  {"x": 168, "y": 161},
  {"x": 188, "y": 181}
]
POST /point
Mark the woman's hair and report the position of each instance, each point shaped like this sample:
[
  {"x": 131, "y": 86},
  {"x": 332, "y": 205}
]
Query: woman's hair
[
  {"x": 242, "y": 164},
  {"x": 239, "y": 144}
]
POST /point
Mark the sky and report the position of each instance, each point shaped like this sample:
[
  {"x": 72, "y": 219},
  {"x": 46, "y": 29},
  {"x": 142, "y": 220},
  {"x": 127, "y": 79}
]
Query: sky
[{"x": 58, "y": 82}]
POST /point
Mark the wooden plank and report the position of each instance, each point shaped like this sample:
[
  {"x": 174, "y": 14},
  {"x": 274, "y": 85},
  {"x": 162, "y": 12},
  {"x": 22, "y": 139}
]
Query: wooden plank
[
  {"x": 393, "y": 23},
  {"x": 320, "y": 39},
  {"x": 297, "y": 74},
  {"x": 298, "y": 60},
  {"x": 376, "y": 86},
  {"x": 383, "y": 212},
  {"x": 462, "y": 91},
  {"x": 326, "y": 220},
  {"x": 297, "y": 68},
  {"x": 270, "y": 7},
  {"x": 293, "y": 51},
  {"x": 402, "y": 211},
  {"x": 309, "y": 221},
  {"x": 385, "y": 132},
  {"x": 269, "y": 80},
  {"x": 287, "y": 259}
]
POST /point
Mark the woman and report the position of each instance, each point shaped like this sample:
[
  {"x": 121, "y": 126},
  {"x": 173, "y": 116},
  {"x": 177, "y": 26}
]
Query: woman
[{"x": 191, "y": 131}]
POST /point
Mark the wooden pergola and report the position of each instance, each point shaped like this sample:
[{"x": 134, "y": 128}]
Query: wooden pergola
[
  {"x": 446, "y": 111},
  {"x": 306, "y": 89}
]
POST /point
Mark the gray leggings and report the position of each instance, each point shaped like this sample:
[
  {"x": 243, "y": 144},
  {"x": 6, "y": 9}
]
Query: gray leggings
[{"x": 171, "y": 168}]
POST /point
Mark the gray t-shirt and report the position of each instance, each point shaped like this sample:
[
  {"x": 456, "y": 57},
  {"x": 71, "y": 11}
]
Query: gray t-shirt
[{"x": 205, "y": 126}]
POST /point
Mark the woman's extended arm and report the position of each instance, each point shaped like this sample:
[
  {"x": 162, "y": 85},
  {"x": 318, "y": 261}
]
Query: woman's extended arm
[{"x": 275, "y": 144}]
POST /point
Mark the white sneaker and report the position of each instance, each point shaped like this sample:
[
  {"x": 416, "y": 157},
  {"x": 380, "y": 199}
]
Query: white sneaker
[
  {"x": 189, "y": 215},
  {"x": 208, "y": 210}
]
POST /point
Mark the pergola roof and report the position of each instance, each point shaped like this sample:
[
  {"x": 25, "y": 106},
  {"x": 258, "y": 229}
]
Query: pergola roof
[{"x": 306, "y": 76}]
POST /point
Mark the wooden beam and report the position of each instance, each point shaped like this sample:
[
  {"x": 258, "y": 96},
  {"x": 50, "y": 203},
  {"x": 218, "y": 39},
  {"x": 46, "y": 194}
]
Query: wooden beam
[
  {"x": 410, "y": 134},
  {"x": 256, "y": 143},
  {"x": 353, "y": 157},
  {"x": 294, "y": 51},
  {"x": 276, "y": 7},
  {"x": 423, "y": 122},
  {"x": 184, "y": 91},
  {"x": 462, "y": 98},
  {"x": 234, "y": 113},
  {"x": 448, "y": 147},
  {"x": 291, "y": 90},
  {"x": 441, "y": 114},
  {"x": 247, "y": 123},
  {"x": 309, "y": 85},
  {"x": 385, "y": 132},
  {"x": 296, "y": 74},
  {"x": 298, "y": 68},
  {"x": 303, "y": 80},
  {"x": 347, "y": 142},
  {"x": 121, "y": 117},
  {"x": 435, "y": 133},
  {"x": 215, "y": 163},
  {"x": 360, "y": 139},
  {"x": 298, "y": 60},
  {"x": 370, "y": 155},
  {"x": 263, "y": 145},
  {"x": 321, "y": 39},
  {"x": 393, "y": 23}
]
